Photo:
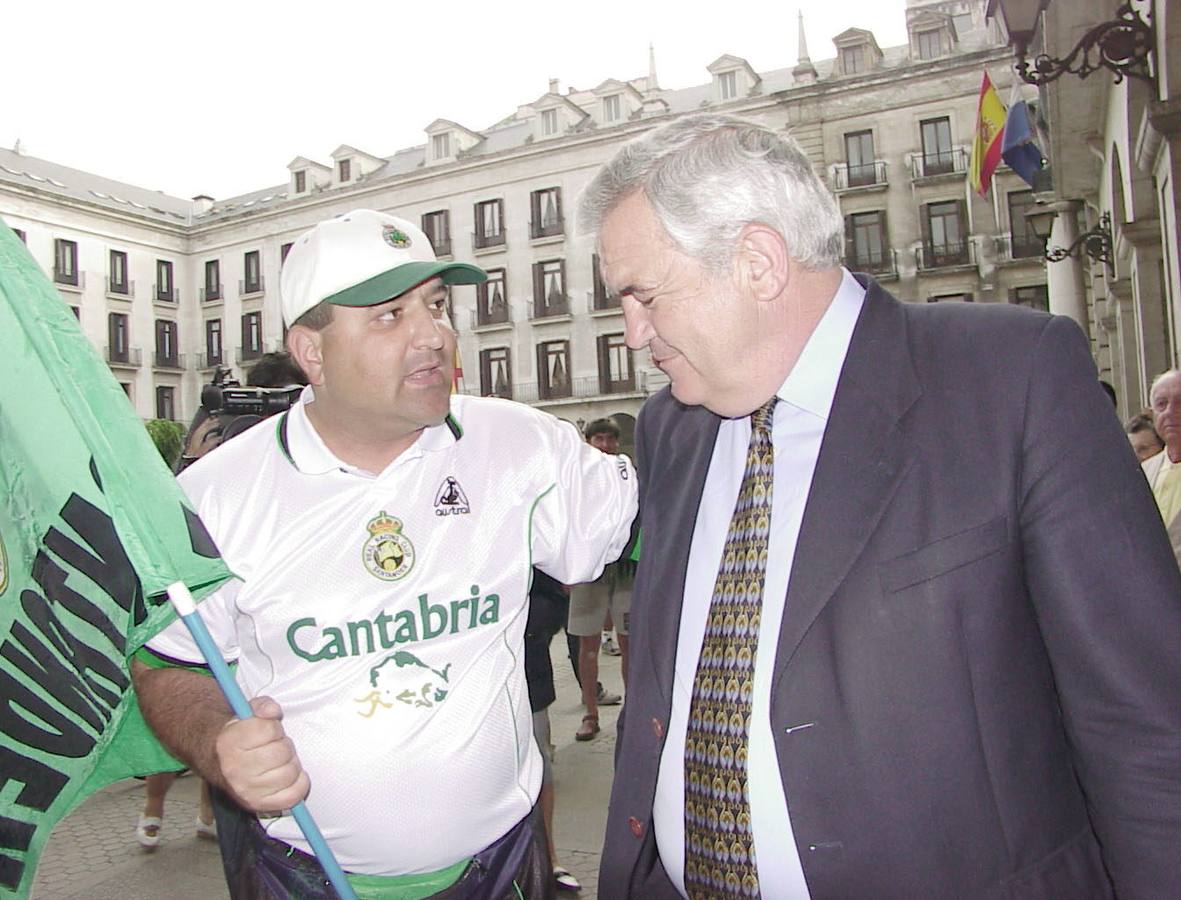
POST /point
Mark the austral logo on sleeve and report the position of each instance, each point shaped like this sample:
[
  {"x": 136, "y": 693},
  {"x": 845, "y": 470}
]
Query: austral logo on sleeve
[{"x": 387, "y": 554}]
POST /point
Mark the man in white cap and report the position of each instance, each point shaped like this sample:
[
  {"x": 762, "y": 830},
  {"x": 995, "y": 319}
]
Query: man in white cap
[{"x": 383, "y": 533}]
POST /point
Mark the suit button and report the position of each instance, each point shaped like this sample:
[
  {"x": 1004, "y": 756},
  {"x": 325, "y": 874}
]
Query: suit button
[
  {"x": 636, "y": 826},
  {"x": 657, "y": 728}
]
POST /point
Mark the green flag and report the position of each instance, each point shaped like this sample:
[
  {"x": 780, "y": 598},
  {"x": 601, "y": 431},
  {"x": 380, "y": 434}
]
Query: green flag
[{"x": 93, "y": 528}]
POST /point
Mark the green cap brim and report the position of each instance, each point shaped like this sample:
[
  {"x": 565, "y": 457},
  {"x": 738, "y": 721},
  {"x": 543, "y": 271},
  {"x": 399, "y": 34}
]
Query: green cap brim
[{"x": 400, "y": 279}]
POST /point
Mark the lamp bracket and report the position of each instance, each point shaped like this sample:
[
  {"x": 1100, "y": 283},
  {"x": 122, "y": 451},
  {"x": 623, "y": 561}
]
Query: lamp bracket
[{"x": 1121, "y": 45}]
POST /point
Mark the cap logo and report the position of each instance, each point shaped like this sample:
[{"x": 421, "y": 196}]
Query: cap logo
[{"x": 395, "y": 237}]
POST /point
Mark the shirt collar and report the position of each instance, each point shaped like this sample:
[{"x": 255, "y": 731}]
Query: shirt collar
[
  {"x": 812, "y": 382},
  {"x": 306, "y": 450}
]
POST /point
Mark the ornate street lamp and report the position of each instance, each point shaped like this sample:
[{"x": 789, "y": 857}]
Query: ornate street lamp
[
  {"x": 1096, "y": 243},
  {"x": 1121, "y": 45}
]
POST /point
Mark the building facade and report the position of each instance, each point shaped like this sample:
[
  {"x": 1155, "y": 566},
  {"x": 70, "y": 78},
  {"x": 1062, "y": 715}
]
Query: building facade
[{"x": 168, "y": 289}]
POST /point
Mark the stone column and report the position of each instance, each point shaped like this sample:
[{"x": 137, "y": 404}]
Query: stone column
[{"x": 1065, "y": 280}]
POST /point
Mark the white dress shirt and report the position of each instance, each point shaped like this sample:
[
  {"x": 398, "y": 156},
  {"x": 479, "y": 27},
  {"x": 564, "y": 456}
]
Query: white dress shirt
[{"x": 797, "y": 429}]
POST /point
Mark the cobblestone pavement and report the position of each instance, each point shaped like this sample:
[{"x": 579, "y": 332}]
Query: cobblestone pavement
[{"x": 93, "y": 855}]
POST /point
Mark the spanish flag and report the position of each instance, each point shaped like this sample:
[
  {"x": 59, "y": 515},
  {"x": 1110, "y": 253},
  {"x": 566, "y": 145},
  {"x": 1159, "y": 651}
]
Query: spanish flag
[{"x": 987, "y": 144}]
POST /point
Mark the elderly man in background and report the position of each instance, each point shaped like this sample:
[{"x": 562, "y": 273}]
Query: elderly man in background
[{"x": 1163, "y": 470}]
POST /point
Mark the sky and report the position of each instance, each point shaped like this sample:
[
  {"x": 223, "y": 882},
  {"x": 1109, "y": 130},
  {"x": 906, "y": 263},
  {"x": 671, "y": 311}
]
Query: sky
[{"x": 217, "y": 97}]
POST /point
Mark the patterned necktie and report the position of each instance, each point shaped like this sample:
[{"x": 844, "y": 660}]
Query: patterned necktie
[{"x": 719, "y": 845}]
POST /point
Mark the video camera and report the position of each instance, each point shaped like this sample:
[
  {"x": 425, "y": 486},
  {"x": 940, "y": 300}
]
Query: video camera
[{"x": 226, "y": 397}]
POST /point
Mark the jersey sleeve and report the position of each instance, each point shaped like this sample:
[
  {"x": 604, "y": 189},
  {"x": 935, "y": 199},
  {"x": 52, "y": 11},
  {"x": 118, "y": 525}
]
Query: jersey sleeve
[
  {"x": 174, "y": 643},
  {"x": 583, "y": 520}
]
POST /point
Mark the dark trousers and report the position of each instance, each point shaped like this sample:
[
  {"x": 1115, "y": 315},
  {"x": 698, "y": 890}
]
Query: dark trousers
[{"x": 258, "y": 867}]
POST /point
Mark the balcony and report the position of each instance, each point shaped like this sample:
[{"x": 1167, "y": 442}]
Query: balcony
[
  {"x": 209, "y": 293},
  {"x": 123, "y": 357},
  {"x": 555, "y": 227},
  {"x": 581, "y": 388},
  {"x": 442, "y": 246},
  {"x": 499, "y": 316},
  {"x": 940, "y": 163},
  {"x": 210, "y": 360},
  {"x": 487, "y": 241},
  {"x": 599, "y": 301},
  {"x": 123, "y": 289},
  {"x": 72, "y": 278},
  {"x": 550, "y": 309},
  {"x": 249, "y": 288},
  {"x": 883, "y": 264},
  {"x": 247, "y": 354},
  {"x": 1027, "y": 249},
  {"x": 948, "y": 255},
  {"x": 167, "y": 295},
  {"x": 168, "y": 360},
  {"x": 863, "y": 176}
]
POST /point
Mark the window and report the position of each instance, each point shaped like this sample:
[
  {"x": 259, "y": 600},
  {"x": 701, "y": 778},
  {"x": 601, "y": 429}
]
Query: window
[
  {"x": 549, "y": 289},
  {"x": 252, "y": 283},
  {"x": 252, "y": 335},
  {"x": 859, "y": 158},
  {"x": 344, "y": 170},
  {"x": 441, "y": 145},
  {"x": 866, "y": 247},
  {"x": 126, "y": 388},
  {"x": 728, "y": 85},
  {"x": 546, "y": 212},
  {"x": 1036, "y": 296},
  {"x": 930, "y": 44},
  {"x": 301, "y": 181},
  {"x": 1025, "y": 244},
  {"x": 118, "y": 349},
  {"x": 962, "y": 22},
  {"x": 602, "y": 299},
  {"x": 959, "y": 298},
  {"x": 213, "y": 345},
  {"x": 944, "y": 241},
  {"x": 165, "y": 403},
  {"x": 496, "y": 373},
  {"x": 20, "y": 234},
  {"x": 212, "y": 290},
  {"x": 612, "y": 108},
  {"x": 77, "y": 311},
  {"x": 117, "y": 280},
  {"x": 549, "y": 122},
  {"x": 283, "y": 251},
  {"x": 553, "y": 369},
  {"x": 65, "y": 262},
  {"x": 492, "y": 299},
  {"x": 166, "y": 354},
  {"x": 164, "y": 286},
  {"x": 615, "y": 365},
  {"x": 437, "y": 227},
  {"x": 489, "y": 223},
  {"x": 852, "y": 60},
  {"x": 937, "y": 151}
]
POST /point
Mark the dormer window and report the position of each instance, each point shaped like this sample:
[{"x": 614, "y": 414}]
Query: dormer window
[
  {"x": 344, "y": 170},
  {"x": 301, "y": 181},
  {"x": 930, "y": 44},
  {"x": 728, "y": 85},
  {"x": 549, "y": 122},
  {"x": 441, "y": 145},
  {"x": 612, "y": 108},
  {"x": 852, "y": 60}
]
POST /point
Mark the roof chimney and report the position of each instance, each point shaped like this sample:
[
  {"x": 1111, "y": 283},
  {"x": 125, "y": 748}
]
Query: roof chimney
[
  {"x": 553, "y": 86},
  {"x": 202, "y": 204}
]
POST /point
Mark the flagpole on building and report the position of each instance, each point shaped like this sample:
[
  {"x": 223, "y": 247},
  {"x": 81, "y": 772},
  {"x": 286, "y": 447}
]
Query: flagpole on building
[{"x": 186, "y": 608}]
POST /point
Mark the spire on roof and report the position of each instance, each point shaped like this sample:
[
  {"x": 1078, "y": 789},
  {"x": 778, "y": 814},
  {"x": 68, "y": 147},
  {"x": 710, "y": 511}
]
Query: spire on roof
[
  {"x": 653, "y": 84},
  {"x": 804, "y": 71},
  {"x": 802, "y": 55}
]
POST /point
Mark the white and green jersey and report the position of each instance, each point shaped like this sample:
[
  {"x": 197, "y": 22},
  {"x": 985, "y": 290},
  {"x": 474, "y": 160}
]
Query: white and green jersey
[{"x": 386, "y": 614}]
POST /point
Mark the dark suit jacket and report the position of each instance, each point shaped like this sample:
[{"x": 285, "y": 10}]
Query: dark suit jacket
[{"x": 983, "y": 624}]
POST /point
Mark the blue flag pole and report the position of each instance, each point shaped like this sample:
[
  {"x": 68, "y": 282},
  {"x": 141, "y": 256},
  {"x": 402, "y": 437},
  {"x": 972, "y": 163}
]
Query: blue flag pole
[{"x": 186, "y": 608}]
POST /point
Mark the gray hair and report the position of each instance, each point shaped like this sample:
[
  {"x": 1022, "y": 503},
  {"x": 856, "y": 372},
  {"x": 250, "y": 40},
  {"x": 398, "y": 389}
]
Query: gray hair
[
  {"x": 1159, "y": 378},
  {"x": 708, "y": 176}
]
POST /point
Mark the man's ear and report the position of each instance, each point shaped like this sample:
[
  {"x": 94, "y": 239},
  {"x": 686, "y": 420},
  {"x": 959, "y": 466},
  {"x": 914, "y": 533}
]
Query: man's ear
[
  {"x": 762, "y": 260},
  {"x": 304, "y": 346}
]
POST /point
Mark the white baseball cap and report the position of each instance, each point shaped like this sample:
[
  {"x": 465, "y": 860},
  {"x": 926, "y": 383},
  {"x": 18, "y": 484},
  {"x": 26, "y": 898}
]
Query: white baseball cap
[{"x": 362, "y": 258}]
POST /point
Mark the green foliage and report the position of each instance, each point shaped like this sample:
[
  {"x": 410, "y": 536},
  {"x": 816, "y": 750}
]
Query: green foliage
[{"x": 167, "y": 436}]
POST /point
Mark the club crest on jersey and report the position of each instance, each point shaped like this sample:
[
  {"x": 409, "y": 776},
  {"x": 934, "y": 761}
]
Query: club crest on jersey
[
  {"x": 387, "y": 554},
  {"x": 450, "y": 500}
]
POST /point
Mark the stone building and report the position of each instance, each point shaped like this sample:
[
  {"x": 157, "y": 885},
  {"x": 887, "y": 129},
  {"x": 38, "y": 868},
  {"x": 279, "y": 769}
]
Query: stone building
[{"x": 169, "y": 288}]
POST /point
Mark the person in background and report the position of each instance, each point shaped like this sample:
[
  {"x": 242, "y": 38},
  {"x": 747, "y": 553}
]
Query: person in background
[{"x": 1143, "y": 437}]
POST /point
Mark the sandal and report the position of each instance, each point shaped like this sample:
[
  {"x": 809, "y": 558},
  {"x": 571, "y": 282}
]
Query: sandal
[
  {"x": 566, "y": 881},
  {"x": 207, "y": 830},
  {"x": 147, "y": 831},
  {"x": 590, "y": 727}
]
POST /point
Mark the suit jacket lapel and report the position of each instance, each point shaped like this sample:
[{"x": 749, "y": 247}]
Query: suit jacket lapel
[
  {"x": 677, "y": 487},
  {"x": 861, "y": 459}
]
